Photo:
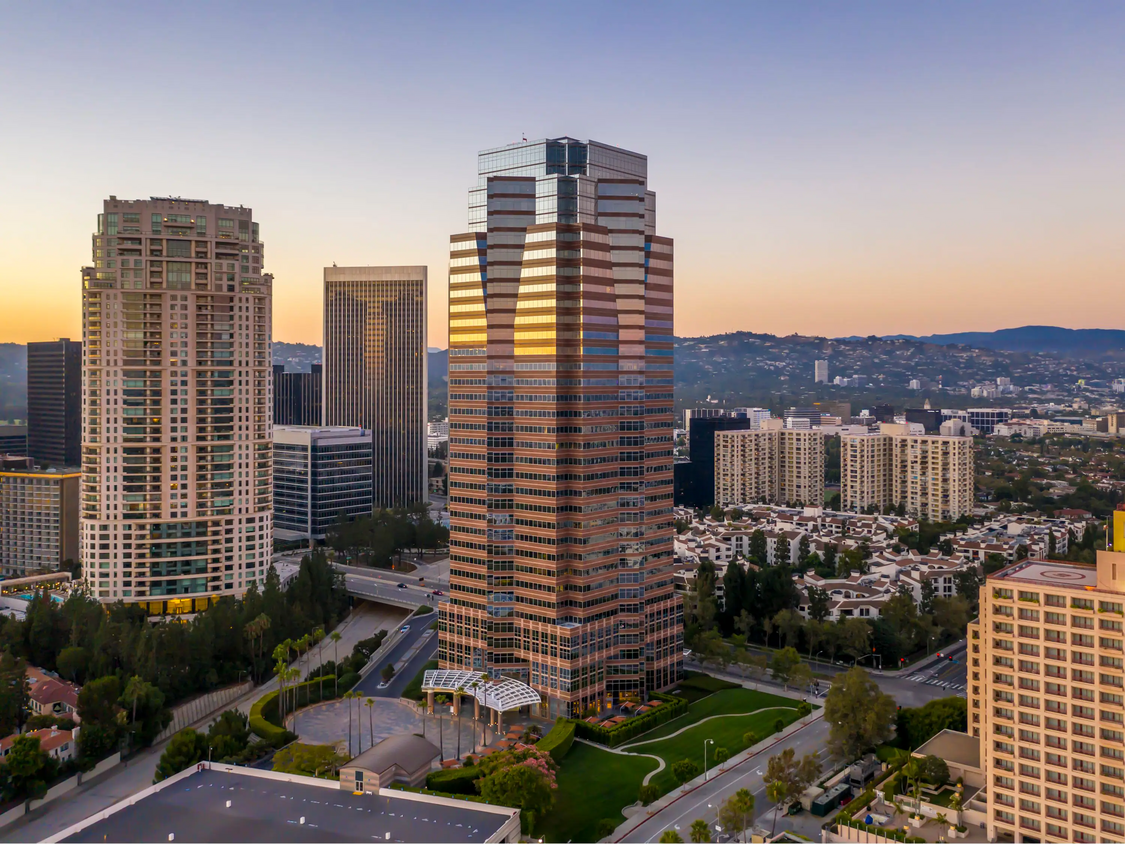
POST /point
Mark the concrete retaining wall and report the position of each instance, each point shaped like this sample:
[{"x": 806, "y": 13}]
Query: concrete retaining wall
[
  {"x": 198, "y": 708},
  {"x": 58, "y": 790}
]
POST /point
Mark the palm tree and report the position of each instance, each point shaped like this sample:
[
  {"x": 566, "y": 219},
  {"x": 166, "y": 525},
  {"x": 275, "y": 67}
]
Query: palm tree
[
  {"x": 473, "y": 686},
  {"x": 912, "y": 771},
  {"x": 776, "y": 792},
  {"x": 370, "y": 704},
  {"x": 294, "y": 674},
  {"x": 303, "y": 644},
  {"x": 348, "y": 700},
  {"x": 335, "y": 637}
]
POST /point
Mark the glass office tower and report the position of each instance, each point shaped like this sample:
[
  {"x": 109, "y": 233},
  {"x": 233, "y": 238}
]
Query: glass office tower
[{"x": 560, "y": 440}]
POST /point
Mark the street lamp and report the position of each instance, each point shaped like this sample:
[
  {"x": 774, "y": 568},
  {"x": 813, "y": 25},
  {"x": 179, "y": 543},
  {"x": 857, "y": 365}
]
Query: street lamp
[{"x": 705, "y": 743}]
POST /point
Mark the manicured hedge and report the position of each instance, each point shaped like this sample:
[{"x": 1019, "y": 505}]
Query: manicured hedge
[
  {"x": 672, "y": 707},
  {"x": 557, "y": 742},
  {"x": 454, "y": 780},
  {"x": 265, "y": 719}
]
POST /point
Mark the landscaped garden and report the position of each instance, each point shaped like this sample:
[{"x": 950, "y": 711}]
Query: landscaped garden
[
  {"x": 743, "y": 711},
  {"x": 594, "y": 784}
]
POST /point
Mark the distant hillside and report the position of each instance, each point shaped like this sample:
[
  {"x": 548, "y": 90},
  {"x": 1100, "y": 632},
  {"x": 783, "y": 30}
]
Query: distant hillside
[{"x": 1066, "y": 342}]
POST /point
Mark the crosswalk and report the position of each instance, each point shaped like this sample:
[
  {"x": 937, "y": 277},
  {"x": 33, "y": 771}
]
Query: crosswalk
[{"x": 929, "y": 681}]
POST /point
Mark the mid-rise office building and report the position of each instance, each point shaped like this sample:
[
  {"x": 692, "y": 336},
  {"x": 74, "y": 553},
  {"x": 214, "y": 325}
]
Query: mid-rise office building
[
  {"x": 772, "y": 465},
  {"x": 320, "y": 475},
  {"x": 38, "y": 519},
  {"x": 820, "y": 372},
  {"x": 375, "y": 371},
  {"x": 54, "y": 402},
  {"x": 177, "y": 476},
  {"x": 297, "y": 396},
  {"x": 13, "y": 440},
  {"x": 560, "y": 429},
  {"x": 985, "y": 419},
  {"x": 1047, "y": 697},
  {"x": 930, "y": 476}
]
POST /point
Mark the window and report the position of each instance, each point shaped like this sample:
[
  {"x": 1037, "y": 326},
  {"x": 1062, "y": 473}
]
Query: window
[
  {"x": 179, "y": 275},
  {"x": 111, "y": 224},
  {"x": 201, "y": 226},
  {"x": 157, "y": 223}
]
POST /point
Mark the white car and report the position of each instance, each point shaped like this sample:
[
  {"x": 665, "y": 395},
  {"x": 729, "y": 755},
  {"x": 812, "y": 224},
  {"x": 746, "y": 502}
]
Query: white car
[{"x": 404, "y": 629}]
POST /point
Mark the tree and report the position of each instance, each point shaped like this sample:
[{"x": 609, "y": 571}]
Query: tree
[
  {"x": 803, "y": 548},
  {"x": 700, "y": 831},
  {"x": 229, "y": 734},
  {"x": 29, "y": 767},
  {"x": 736, "y": 815},
  {"x": 818, "y": 603},
  {"x": 670, "y": 836},
  {"x": 855, "y": 636},
  {"x": 148, "y": 715},
  {"x": 952, "y": 614},
  {"x": 685, "y": 770},
  {"x": 787, "y": 777},
  {"x": 758, "y": 547},
  {"x": 72, "y": 663},
  {"x": 186, "y": 748},
  {"x": 388, "y": 672},
  {"x": 97, "y": 709},
  {"x": 721, "y": 755},
  {"x": 756, "y": 666},
  {"x": 648, "y": 794},
  {"x": 781, "y": 551},
  {"x": 605, "y": 827},
  {"x": 522, "y": 786},
  {"x": 859, "y": 715},
  {"x": 308, "y": 759},
  {"x": 750, "y": 738},
  {"x": 789, "y": 623},
  {"x": 801, "y": 676},
  {"x": 926, "y": 602},
  {"x": 830, "y": 557},
  {"x": 784, "y": 661},
  {"x": 914, "y": 726},
  {"x": 335, "y": 637}
]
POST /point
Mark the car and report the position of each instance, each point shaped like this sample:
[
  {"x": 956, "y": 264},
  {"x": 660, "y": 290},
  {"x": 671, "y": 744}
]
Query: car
[
  {"x": 404, "y": 629},
  {"x": 402, "y": 586},
  {"x": 438, "y": 592},
  {"x": 383, "y": 685},
  {"x": 687, "y": 651}
]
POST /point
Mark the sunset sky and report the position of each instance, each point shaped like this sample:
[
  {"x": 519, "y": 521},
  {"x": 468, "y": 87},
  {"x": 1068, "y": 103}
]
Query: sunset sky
[{"x": 824, "y": 168}]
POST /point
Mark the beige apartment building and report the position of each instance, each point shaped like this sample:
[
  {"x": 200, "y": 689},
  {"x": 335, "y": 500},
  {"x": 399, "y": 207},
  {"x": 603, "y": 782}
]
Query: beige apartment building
[
  {"x": 930, "y": 475},
  {"x": 177, "y": 474},
  {"x": 772, "y": 465},
  {"x": 38, "y": 520},
  {"x": 1047, "y": 697}
]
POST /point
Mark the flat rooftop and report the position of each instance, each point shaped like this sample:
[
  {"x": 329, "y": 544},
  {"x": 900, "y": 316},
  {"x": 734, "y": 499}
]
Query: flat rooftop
[
  {"x": 1049, "y": 573},
  {"x": 270, "y": 808},
  {"x": 952, "y": 746}
]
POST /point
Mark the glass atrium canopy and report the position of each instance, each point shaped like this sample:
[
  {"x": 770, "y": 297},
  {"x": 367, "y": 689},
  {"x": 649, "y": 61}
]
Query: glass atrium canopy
[{"x": 502, "y": 693}]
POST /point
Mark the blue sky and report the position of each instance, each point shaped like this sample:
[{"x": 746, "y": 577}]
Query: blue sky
[{"x": 824, "y": 168}]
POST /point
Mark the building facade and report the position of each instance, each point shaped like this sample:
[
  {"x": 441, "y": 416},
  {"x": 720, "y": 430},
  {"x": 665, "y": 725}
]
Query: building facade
[
  {"x": 820, "y": 372},
  {"x": 38, "y": 520},
  {"x": 54, "y": 402},
  {"x": 560, "y": 431},
  {"x": 1047, "y": 697},
  {"x": 319, "y": 476},
  {"x": 177, "y": 475},
  {"x": 772, "y": 465},
  {"x": 297, "y": 396},
  {"x": 375, "y": 371},
  {"x": 930, "y": 476},
  {"x": 697, "y": 486},
  {"x": 13, "y": 440}
]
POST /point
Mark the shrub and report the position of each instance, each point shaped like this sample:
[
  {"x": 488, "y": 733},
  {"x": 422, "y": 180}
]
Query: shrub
[
  {"x": 671, "y": 707},
  {"x": 750, "y": 738},
  {"x": 649, "y": 794},
  {"x": 558, "y": 741},
  {"x": 779, "y": 725},
  {"x": 804, "y": 708},
  {"x": 455, "y": 780},
  {"x": 606, "y": 826},
  {"x": 262, "y": 728},
  {"x": 348, "y": 680}
]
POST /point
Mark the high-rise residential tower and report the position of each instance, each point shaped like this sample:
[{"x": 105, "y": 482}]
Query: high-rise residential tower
[
  {"x": 375, "y": 371},
  {"x": 54, "y": 402},
  {"x": 820, "y": 372},
  {"x": 560, "y": 429},
  {"x": 177, "y": 478}
]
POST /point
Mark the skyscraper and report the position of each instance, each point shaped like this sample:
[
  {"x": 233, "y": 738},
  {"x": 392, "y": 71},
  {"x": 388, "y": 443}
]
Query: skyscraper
[
  {"x": 297, "y": 396},
  {"x": 820, "y": 372},
  {"x": 177, "y": 479},
  {"x": 375, "y": 371},
  {"x": 560, "y": 431},
  {"x": 54, "y": 402}
]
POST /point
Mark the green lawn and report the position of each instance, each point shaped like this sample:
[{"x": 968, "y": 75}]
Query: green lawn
[
  {"x": 726, "y": 732},
  {"x": 696, "y": 686},
  {"x": 593, "y": 784},
  {"x": 720, "y": 703}
]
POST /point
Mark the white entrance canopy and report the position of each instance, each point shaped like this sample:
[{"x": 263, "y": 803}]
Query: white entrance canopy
[{"x": 502, "y": 693}]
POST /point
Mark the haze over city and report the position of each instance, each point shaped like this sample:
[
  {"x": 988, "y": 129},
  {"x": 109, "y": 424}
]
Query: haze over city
[{"x": 824, "y": 169}]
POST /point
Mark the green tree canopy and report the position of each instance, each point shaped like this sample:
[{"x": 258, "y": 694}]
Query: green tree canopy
[{"x": 859, "y": 715}]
